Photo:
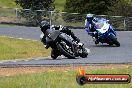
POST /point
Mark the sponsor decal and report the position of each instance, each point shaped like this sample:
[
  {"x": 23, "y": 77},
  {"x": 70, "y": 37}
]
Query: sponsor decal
[{"x": 83, "y": 78}]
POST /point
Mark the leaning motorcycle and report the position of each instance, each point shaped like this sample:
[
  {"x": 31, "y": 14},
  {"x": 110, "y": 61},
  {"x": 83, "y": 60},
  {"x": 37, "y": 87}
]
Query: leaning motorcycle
[
  {"x": 65, "y": 45},
  {"x": 105, "y": 32}
]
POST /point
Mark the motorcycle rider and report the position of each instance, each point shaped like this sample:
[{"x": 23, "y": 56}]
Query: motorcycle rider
[
  {"x": 46, "y": 26},
  {"x": 89, "y": 27}
]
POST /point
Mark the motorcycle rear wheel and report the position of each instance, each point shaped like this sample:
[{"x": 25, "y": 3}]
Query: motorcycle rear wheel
[{"x": 65, "y": 52}]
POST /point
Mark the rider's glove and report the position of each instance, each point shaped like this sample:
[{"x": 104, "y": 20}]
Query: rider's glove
[{"x": 94, "y": 32}]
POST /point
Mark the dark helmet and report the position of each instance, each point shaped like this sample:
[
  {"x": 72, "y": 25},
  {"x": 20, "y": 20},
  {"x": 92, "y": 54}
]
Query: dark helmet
[
  {"x": 90, "y": 17},
  {"x": 44, "y": 26}
]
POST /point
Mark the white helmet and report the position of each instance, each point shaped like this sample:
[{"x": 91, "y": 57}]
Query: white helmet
[{"x": 90, "y": 17}]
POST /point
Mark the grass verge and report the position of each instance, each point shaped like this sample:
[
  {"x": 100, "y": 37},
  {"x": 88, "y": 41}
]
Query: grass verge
[
  {"x": 62, "y": 78},
  {"x": 8, "y": 4},
  {"x": 11, "y": 48}
]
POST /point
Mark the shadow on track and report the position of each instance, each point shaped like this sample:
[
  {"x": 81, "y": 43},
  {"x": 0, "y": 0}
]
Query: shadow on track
[
  {"x": 59, "y": 58},
  {"x": 103, "y": 46}
]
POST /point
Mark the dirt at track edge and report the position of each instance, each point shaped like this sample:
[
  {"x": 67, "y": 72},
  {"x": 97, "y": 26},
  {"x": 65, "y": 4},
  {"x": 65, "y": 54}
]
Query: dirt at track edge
[{"x": 11, "y": 71}]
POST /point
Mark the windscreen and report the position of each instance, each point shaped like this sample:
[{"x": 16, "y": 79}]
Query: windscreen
[{"x": 99, "y": 24}]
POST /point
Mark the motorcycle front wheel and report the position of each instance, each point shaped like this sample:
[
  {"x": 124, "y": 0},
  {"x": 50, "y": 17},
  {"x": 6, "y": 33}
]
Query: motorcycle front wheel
[
  {"x": 115, "y": 41},
  {"x": 84, "y": 53}
]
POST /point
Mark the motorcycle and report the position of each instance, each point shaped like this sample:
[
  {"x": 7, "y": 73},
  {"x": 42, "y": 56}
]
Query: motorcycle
[
  {"x": 64, "y": 44},
  {"x": 105, "y": 32}
]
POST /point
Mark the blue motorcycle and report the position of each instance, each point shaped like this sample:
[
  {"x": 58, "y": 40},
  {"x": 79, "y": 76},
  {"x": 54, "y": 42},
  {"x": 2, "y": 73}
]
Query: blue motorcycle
[{"x": 105, "y": 32}]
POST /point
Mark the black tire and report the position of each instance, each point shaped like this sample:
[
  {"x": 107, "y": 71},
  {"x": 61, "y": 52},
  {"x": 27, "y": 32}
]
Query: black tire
[
  {"x": 110, "y": 44},
  {"x": 115, "y": 41},
  {"x": 84, "y": 53},
  {"x": 64, "y": 52}
]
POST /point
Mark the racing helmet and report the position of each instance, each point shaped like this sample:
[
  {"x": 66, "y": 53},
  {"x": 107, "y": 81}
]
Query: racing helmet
[
  {"x": 90, "y": 17},
  {"x": 44, "y": 26}
]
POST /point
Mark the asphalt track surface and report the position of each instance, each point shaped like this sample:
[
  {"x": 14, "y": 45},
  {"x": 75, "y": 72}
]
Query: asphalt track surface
[{"x": 99, "y": 54}]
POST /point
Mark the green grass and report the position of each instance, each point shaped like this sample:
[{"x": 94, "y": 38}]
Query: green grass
[
  {"x": 61, "y": 79},
  {"x": 59, "y": 4},
  {"x": 8, "y": 4},
  {"x": 6, "y": 8},
  {"x": 11, "y": 48},
  {"x": 7, "y": 25},
  {"x": 7, "y": 12}
]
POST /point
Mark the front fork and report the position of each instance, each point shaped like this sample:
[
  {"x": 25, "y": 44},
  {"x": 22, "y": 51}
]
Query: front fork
[
  {"x": 78, "y": 49},
  {"x": 113, "y": 30}
]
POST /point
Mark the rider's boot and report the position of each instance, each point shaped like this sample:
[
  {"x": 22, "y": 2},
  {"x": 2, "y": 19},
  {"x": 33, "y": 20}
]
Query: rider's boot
[
  {"x": 96, "y": 41},
  {"x": 54, "y": 54}
]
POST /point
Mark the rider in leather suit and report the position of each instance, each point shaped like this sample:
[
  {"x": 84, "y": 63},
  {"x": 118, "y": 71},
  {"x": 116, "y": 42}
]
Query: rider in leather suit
[
  {"x": 89, "y": 27},
  {"x": 46, "y": 26}
]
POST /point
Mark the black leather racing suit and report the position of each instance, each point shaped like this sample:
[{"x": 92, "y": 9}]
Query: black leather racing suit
[{"x": 54, "y": 53}]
